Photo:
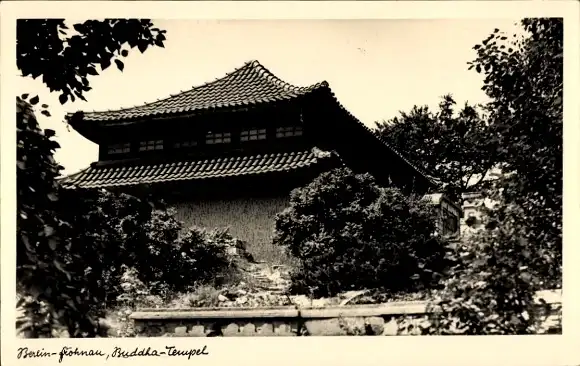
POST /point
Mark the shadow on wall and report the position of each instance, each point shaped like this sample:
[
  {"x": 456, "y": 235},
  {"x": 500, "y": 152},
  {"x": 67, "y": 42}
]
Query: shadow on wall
[{"x": 248, "y": 219}]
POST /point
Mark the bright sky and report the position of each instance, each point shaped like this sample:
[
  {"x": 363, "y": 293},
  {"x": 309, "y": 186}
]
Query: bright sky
[{"x": 376, "y": 68}]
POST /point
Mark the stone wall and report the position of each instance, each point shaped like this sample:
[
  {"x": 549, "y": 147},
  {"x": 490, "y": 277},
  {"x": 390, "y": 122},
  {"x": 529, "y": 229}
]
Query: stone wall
[
  {"x": 377, "y": 320},
  {"x": 249, "y": 219}
]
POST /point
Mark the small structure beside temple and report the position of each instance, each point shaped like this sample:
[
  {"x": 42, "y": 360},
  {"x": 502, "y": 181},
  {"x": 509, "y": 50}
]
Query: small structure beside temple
[{"x": 228, "y": 153}]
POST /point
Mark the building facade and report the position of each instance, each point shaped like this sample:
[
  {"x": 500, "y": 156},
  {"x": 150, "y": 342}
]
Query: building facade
[{"x": 228, "y": 153}]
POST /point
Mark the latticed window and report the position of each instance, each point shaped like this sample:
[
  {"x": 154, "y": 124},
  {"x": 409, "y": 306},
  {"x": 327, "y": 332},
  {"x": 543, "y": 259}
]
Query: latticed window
[
  {"x": 218, "y": 138},
  {"x": 253, "y": 135},
  {"x": 151, "y": 145},
  {"x": 185, "y": 144},
  {"x": 450, "y": 219},
  {"x": 119, "y": 148},
  {"x": 289, "y": 131}
]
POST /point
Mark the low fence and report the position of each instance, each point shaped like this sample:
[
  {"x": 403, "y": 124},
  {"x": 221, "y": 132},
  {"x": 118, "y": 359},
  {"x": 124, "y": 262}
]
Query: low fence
[{"x": 378, "y": 320}]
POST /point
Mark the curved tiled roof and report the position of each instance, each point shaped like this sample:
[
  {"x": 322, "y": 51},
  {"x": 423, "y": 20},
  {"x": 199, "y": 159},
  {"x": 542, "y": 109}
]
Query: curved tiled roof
[
  {"x": 430, "y": 178},
  {"x": 126, "y": 175},
  {"x": 250, "y": 84}
]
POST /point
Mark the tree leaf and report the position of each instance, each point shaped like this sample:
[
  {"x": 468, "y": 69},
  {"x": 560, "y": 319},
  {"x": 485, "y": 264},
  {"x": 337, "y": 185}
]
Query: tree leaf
[
  {"x": 105, "y": 63},
  {"x": 34, "y": 100},
  {"x": 63, "y": 98},
  {"x": 48, "y": 230},
  {"x": 120, "y": 64},
  {"x": 79, "y": 28},
  {"x": 46, "y": 113}
]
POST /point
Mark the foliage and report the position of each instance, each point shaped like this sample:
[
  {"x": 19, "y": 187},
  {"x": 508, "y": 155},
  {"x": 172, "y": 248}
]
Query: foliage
[
  {"x": 130, "y": 234},
  {"x": 54, "y": 270},
  {"x": 524, "y": 78},
  {"x": 65, "y": 58},
  {"x": 113, "y": 238},
  {"x": 519, "y": 252},
  {"x": 350, "y": 234},
  {"x": 451, "y": 144},
  {"x": 134, "y": 291},
  {"x": 42, "y": 250},
  {"x": 493, "y": 291}
]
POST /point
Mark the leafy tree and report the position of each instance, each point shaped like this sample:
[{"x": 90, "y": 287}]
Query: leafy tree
[
  {"x": 491, "y": 290},
  {"x": 50, "y": 268},
  {"x": 66, "y": 59},
  {"x": 453, "y": 145},
  {"x": 519, "y": 252},
  {"x": 108, "y": 233},
  {"x": 524, "y": 79},
  {"x": 350, "y": 234}
]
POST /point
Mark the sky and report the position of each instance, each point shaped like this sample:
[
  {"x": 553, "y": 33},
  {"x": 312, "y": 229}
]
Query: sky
[{"x": 376, "y": 68}]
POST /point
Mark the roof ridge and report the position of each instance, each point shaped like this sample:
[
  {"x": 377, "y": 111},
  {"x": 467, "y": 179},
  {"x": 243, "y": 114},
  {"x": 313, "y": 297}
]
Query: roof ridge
[
  {"x": 265, "y": 85},
  {"x": 276, "y": 80},
  {"x": 182, "y": 92}
]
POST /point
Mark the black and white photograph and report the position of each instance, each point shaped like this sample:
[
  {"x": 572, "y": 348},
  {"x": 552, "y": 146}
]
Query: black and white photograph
[{"x": 286, "y": 177}]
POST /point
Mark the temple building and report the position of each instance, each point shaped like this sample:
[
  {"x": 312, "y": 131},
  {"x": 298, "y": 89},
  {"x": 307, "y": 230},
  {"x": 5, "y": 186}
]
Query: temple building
[{"x": 227, "y": 153}]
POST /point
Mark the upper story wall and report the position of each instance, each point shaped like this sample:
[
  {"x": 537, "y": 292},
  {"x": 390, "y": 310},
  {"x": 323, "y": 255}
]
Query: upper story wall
[{"x": 267, "y": 129}]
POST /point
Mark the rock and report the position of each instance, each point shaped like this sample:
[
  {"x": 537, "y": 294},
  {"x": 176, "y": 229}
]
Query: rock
[
  {"x": 197, "y": 331},
  {"x": 181, "y": 331},
  {"x": 301, "y": 300},
  {"x": 248, "y": 329},
  {"x": 319, "y": 303},
  {"x": 265, "y": 329},
  {"x": 242, "y": 300},
  {"x": 241, "y": 292},
  {"x": 222, "y": 298},
  {"x": 231, "y": 330},
  {"x": 283, "y": 329}
]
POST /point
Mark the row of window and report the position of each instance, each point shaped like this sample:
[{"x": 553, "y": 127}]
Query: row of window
[{"x": 211, "y": 138}]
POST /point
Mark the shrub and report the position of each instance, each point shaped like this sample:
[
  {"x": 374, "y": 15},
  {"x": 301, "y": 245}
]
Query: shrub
[
  {"x": 208, "y": 257},
  {"x": 101, "y": 236},
  {"x": 492, "y": 289},
  {"x": 50, "y": 268},
  {"x": 351, "y": 234},
  {"x": 134, "y": 235}
]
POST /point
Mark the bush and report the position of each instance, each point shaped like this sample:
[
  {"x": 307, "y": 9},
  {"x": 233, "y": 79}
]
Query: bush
[
  {"x": 50, "y": 268},
  {"x": 101, "y": 235},
  {"x": 350, "y": 234},
  {"x": 491, "y": 290},
  {"x": 166, "y": 258},
  {"x": 209, "y": 257}
]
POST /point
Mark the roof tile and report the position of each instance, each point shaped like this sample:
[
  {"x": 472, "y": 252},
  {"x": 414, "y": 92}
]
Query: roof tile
[
  {"x": 120, "y": 175},
  {"x": 248, "y": 85}
]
